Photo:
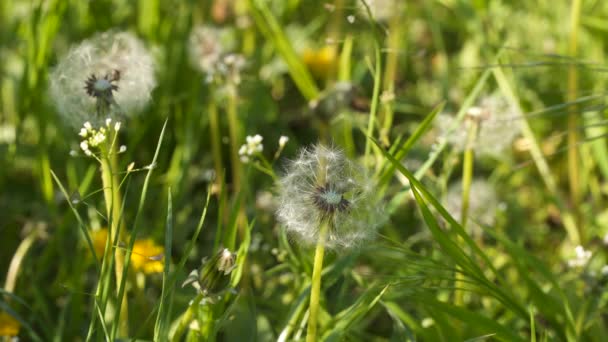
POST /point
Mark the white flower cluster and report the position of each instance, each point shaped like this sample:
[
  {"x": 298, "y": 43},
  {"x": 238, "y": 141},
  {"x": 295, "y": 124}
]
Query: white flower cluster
[
  {"x": 499, "y": 124},
  {"x": 252, "y": 147},
  {"x": 94, "y": 137},
  {"x": 322, "y": 186},
  {"x": 113, "y": 67},
  {"x": 581, "y": 258}
]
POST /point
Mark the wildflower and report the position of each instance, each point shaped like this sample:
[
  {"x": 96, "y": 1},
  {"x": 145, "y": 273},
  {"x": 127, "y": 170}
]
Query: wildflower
[
  {"x": 498, "y": 127},
  {"x": 252, "y": 147},
  {"x": 9, "y": 326},
  {"x": 147, "y": 256},
  {"x": 95, "y": 137},
  {"x": 110, "y": 74},
  {"x": 581, "y": 258},
  {"x": 321, "y": 61},
  {"x": 322, "y": 186},
  {"x": 214, "y": 274},
  {"x": 99, "y": 238}
]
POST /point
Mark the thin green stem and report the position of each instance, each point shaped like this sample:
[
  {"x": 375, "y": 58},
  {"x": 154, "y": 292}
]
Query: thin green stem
[
  {"x": 113, "y": 202},
  {"x": 187, "y": 318},
  {"x": 467, "y": 176},
  {"x": 315, "y": 286},
  {"x": 573, "y": 158},
  {"x": 234, "y": 132},
  {"x": 216, "y": 142}
]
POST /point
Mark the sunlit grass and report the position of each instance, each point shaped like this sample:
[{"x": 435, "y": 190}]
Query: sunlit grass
[{"x": 202, "y": 217}]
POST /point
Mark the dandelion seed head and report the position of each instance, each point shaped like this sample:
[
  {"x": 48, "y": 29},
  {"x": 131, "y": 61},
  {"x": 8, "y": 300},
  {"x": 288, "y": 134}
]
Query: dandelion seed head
[
  {"x": 323, "y": 186},
  {"x": 483, "y": 203},
  {"x": 112, "y": 69},
  {"x": 499, "y": 125}
]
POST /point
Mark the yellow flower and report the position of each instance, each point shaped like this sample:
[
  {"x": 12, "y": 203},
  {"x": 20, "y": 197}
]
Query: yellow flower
[
  {"x": 147, "y": 256},
  {"x": 99, "y": 238},
  {"x": 8, "y": 325},
  {"x": 320, "y": 62}
]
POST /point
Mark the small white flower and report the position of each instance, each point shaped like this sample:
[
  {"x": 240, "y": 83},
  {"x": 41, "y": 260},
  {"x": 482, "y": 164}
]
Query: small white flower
[
  {"x": 84, "y": 145},
  {"x": 88, "y": 126},
  {"x": 283, "y": 140},
  {"x": 252, "y": 147},
  {"x": 117, "y": 126},
  {"x": 83, "y": 132},
  {"x": 108, "y": 121},
  {"x": 73, "y": 153},
  {"x": 122, "y": 149},
  {"x": 582, "y": 257}
]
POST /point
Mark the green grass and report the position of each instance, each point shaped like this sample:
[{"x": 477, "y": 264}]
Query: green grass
[{"x": 431, "y": 272}]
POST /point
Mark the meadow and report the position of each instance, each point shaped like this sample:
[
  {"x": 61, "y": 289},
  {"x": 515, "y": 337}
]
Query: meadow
[{"x": 268, "y": 170}]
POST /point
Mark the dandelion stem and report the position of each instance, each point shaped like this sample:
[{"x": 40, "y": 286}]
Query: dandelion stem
[
  {"x": 234, "y": 131},
  {"x": 467, "y": 175},
  {"x": 573, "y": 163},
  {"x": 216, "y": 142},
  {"x": 113, "y": 201},
  {"x": 315, "y": 287},
  {"x": 187, "y": 318}
]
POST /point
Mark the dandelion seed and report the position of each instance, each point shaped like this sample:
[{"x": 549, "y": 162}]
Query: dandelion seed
[
  {"x": 110, "y": 74},
  {"x": 323, "y": 186}
]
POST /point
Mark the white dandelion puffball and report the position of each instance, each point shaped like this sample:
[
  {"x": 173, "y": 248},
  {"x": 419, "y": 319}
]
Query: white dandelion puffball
[
  {"x": 207, "y": 46},
  {"x": 322, "y": 186},
  {"x": 483, "y": 203},
  {"x": 108, "y": 75},
  {"x": 499, "y": 124}
]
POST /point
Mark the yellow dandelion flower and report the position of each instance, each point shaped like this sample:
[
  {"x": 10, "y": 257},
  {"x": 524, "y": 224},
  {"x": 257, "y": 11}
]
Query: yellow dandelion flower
[
  {"x": 8, "y": 325},
  {"x": 99, "y": 238},
  {"x": 320, "y": 62},
  {"x": 147, "y": 256}
]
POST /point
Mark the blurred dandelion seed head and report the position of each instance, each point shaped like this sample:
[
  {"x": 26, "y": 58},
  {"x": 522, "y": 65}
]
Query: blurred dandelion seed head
[
  {"x": 111, "y": 70},
  {"x": 210, "y": 52},
  {"x": 483, "y": 203},
  {"x": 323, "y": 186},
  {"x": 499, "y": 125}
]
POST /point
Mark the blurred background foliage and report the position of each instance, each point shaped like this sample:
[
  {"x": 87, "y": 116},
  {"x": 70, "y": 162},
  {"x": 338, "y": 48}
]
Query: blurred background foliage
[{"x": 432, "y": 52}]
